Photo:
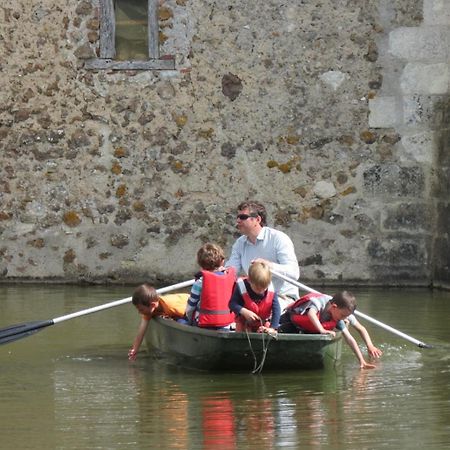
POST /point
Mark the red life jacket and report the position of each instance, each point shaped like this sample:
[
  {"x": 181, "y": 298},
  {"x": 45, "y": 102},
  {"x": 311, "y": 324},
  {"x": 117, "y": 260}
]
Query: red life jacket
[
  {"x": 216, "y": 293},
  {"x": 262, "y": 308},
  {"x": 302, "y": 320}
]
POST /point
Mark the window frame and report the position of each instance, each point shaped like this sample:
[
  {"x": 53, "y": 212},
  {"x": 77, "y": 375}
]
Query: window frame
[{"x": 108, "y": 47}]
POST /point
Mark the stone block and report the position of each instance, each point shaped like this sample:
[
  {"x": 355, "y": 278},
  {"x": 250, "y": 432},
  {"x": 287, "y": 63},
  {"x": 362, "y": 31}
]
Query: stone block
[
  {"x": 407, "y": 217},
  {"x": 394, "y": 181},
  {"x": 441, "y": 253},
  {"x": 425, "y": 111},
  {"x": 333, "y": 78},
  {"x": 385, "y": 112},
  {"x": 419, "y": 43},
  {"x": 418, "y": 78},
  {"x": 442, "y": 259},
  {"x": 441, "y": 187},
  {"x": 436, "y": 12},
  {"x": 443, "y": 147},
  {"x": 443, "y": 220},
  {"x": 396, "y": 252},
  {"x": 324, "y": 189},
  {"x": 420, "y": 147}
]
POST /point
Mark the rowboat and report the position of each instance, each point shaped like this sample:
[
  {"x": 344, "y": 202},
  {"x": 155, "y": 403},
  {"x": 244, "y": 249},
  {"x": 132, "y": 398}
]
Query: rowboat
[{"x": 210, "y": 350}]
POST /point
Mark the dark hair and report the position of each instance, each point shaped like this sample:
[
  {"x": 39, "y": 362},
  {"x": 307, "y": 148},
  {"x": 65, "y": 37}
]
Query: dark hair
[
  {"x": 255, "y": 208},
  {"x": 144, "y": 295},
  {"x": 210, "y": 256},
  {"x": 344, "y": 300}
]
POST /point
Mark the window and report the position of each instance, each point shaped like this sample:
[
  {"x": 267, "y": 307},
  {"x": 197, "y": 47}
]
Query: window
[{"x": 129, "y": 37}]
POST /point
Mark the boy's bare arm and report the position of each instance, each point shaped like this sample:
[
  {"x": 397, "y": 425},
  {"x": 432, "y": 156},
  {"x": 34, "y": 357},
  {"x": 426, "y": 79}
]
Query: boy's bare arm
[
  {"x": 143, "y": 325},
  {"x": 373, "y": 351},
  {"x": 363, "y": 364}
]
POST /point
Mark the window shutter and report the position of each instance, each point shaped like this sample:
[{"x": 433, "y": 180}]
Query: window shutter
[
  {"x": 153, "y": 29},
  {"x": 107, "y": 29}
]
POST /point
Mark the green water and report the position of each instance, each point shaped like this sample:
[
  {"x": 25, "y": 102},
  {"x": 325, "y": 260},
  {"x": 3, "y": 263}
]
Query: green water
[{"x": 70, "y": 386}]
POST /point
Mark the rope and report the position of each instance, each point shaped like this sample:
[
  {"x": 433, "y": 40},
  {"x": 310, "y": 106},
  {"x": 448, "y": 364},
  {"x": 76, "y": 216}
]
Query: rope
[{"x": 257, "y": 368}]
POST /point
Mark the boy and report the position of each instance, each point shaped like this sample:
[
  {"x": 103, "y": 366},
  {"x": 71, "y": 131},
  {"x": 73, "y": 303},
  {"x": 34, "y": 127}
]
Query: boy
[
  {"x": 207, "y": 306},
  {"x": 255, "y": 302},
  {"x": 149, "y": 304},
  {"x": 320, "y": 313}
]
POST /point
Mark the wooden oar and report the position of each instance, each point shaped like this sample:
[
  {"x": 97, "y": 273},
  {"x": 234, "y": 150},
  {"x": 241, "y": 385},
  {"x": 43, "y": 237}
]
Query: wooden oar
[
  {"x": 19, "y": 331},
  {"x": 358, "y": 313}
]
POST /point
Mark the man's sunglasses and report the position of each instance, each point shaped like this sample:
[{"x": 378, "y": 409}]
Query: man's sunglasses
[{"x": 246, "y": 216}]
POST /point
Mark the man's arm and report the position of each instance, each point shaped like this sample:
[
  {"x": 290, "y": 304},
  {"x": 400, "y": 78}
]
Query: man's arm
[{"x": 286, "y": 263}]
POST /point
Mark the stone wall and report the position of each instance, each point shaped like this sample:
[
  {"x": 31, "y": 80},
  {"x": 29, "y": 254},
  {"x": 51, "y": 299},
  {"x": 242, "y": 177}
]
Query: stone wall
[
  {"x": 331, "y": 113},
  {"x": 413, "y": 101}
]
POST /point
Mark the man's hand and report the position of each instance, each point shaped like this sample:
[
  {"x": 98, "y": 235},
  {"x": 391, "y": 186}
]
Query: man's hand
[{"x": 264, "y": 261}]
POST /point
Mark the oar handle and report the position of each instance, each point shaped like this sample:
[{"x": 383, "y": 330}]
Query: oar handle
[
  {"x": 358, "y": 313},
  {"x": 120, "y": 302}
]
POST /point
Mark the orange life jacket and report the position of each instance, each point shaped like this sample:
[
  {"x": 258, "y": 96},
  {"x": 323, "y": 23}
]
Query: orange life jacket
[
  {"x": 216, "y": 293},
  {"x": 170, "y": 305}
]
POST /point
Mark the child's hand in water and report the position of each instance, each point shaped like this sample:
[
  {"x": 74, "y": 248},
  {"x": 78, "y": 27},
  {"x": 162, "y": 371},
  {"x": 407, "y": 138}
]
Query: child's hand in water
[{"x": 132, "y": 354}]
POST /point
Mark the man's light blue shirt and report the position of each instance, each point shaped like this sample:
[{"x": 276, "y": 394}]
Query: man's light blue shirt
[{"x": 276, "y": 247}]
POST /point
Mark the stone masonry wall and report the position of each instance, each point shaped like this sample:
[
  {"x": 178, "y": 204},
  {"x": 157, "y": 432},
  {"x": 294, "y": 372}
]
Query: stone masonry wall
[
  {"x": 332, "y": 113},
  {"x": 414, "y": 101}
]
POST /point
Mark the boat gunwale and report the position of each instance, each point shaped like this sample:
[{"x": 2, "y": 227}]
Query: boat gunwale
[{"x": 218, "y": 334}]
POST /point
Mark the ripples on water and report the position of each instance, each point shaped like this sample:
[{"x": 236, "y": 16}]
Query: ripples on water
[{"x": 71, "y": 387}]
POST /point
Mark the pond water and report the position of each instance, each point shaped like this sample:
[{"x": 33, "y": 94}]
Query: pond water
[{"x": 70, "y": 386}]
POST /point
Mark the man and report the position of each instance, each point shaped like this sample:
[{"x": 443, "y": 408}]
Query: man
[{"x": 262, "y": 243}]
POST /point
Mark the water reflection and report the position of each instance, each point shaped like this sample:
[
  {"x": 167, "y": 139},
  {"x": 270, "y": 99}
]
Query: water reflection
[
  {"x": 218, "y": 421},
  {"x": 71, "y": 387},
  {"x": 95, "y": 399},
  {"x": 192, "y": 410}
]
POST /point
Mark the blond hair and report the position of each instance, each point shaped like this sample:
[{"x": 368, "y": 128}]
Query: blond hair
[{"x": 259, "y": 274}]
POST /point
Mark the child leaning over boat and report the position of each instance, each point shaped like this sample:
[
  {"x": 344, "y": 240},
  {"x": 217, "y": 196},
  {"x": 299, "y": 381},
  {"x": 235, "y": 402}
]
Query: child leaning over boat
[
  {"x": 320, "y": 313},
  {"x": 149, "y": 304},
  {"x": 255, "y": 302},
  {"x": 207, "y": 306}
]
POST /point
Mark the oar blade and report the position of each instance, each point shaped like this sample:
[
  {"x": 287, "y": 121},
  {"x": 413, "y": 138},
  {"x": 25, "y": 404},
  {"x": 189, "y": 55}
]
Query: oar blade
[{"x": 22, "y": 330}]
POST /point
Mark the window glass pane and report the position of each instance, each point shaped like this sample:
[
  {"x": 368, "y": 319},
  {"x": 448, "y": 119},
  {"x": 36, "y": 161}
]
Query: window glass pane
[{"x": 131, "y": 29}]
